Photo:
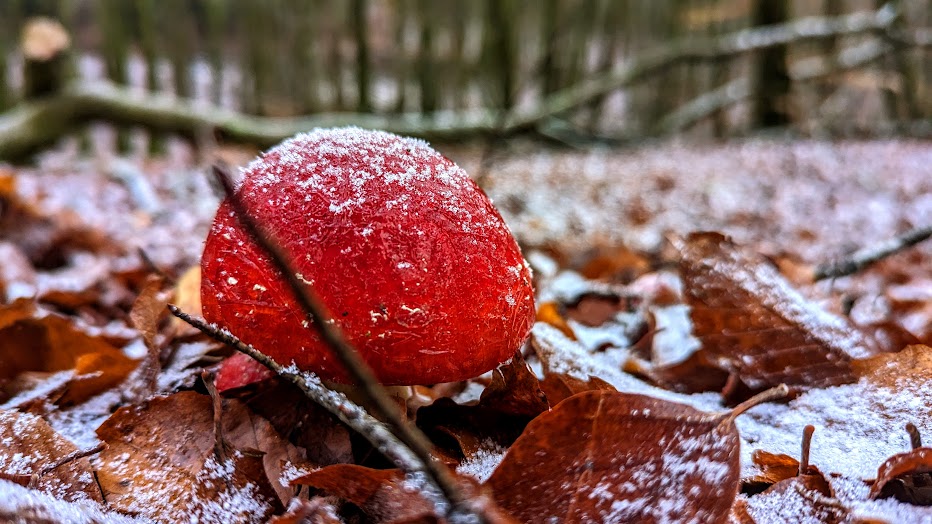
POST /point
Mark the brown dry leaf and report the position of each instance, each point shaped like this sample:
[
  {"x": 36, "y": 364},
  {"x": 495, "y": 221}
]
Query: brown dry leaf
[
  {"x": 613, "y": 457},
  {"x": 188, "y": 299},
  {"x": 773, "y": 467},
  {"x": 753, "y": 324},
  {"x": 560, "y": 386},
  {"x": 387, "y": 496},
  {"x": 30, "y": 445},
  {"x": 167, "y": 471},
  {"x": 595, "y": 309},
  {"x": 910, "y": 369},
  {"x": 31, "y": 341},
  {"x": 549, "y": 312},
  {"x": 906, "y": 477},
  {"x": 618, "y": 264},
  {"x": 508, "y": 403},
  {"x": 381, "y": 494},
  {"x": 17, "y": 276},
  {"x": 317, "y": 510},
  {"x": 302, "y": 422},
  {"x": 515, "y": 390},
  {"x": 47, "y": 240},
  {"x": 806, "y": 498},
  {"x": 148, "y": 308}
]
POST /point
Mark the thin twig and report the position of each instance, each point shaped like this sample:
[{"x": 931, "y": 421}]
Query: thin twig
[
  {"x": 869, "y": 255},
  {"x": 336, "y": 403},
  {"x": 769, "y": 395},
  {"x": 220, "y": 444},
  {"x": 915, "y": 438},
  {"x": 71, "y": 457},
  {"x": 349, "y": 358},
  {"x": 807, "y": 445}
]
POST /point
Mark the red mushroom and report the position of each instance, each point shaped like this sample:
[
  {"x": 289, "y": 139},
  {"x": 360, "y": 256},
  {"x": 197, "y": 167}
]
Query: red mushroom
[{"x": 410, "y": 257}]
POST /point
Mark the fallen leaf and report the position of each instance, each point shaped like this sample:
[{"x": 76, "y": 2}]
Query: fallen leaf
[
  {"x": 514, "y": 390},
  {"x": 753, "y": 324},
  {"x": 613, "y": 457},
  {"x": 188, "y": 299},
  {"x": 383, "y": 495},
  {"x": 906, "y": 477},
  {"x": 559, "y": 386},
  {"x": 773, "y": 468},
  {"x": 32, "y": 448},
  {"x": 511, "y": 400},
  {"x": 318, "y": 510},
  {"x": 618, "y": 264},
  {"x": 167, "y": 471},
  {"x": 32, "y": 340},
  {"x": 549, "y": 312},
  {"x": 301, "y": 421}
]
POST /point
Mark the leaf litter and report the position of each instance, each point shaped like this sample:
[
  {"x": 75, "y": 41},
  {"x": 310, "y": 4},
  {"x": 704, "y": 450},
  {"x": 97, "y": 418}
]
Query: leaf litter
[{"x": 620, "y": 411}]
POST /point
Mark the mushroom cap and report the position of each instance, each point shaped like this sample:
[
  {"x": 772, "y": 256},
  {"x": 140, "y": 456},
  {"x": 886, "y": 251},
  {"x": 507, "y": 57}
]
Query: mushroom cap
[{"x": 408, "y": 254}]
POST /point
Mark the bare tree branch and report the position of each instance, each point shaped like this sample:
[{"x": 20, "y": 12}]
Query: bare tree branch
[{"x": 869, "y": 255}]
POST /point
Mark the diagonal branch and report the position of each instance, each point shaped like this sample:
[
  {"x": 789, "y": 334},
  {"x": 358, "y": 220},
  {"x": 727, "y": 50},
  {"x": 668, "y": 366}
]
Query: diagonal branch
[
  {"x": 336, "y": 403},
  {"x": 871, "y": 254}
]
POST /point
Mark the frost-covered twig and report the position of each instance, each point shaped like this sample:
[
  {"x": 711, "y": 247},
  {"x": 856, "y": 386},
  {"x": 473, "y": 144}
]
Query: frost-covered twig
[
  {"x": 336, "y": 403},
  {"x": 867, "y": 256}
]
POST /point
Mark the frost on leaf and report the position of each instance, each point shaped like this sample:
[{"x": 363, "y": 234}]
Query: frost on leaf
[
  {"x": 161, "y": 462},
  {"x": 754, "y": 325},
  {"x": 603, "y": 456},
  {"x": 33, "y": 454},
  {"x": 35, "y": 346}
]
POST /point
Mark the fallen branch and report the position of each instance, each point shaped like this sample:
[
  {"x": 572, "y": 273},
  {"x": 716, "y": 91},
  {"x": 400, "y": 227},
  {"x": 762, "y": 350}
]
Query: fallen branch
[
  {"x": 33, "y": 125},
  {"x": 867, "y": 256}
]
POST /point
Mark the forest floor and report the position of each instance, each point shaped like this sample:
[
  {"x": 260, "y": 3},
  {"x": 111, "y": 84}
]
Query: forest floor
[{"x": 607, "y": 232}]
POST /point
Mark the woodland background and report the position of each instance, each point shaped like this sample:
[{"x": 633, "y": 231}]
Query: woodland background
[
  {"x": 607, "y": 133},
  {"x": 574, "y": 71}
]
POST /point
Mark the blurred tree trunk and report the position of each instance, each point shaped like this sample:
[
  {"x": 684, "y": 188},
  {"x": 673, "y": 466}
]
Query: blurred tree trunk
[
  {"x": 363, "y": 71},
  {"x": 771, "y": 75}
]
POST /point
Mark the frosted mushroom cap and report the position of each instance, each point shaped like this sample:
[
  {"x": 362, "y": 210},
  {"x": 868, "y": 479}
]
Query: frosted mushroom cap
[{"x": 409, "y": 255}]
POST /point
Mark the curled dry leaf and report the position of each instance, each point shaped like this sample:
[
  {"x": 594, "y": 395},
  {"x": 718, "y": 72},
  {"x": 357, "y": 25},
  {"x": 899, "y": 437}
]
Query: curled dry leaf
[
  {"x": 388, "y": 496},
  {"x": 33, "y": 341},
  {"x": 549, "y": 313},
  {"x": 753, "y": 324},
  {"x": 604, "y": 456},
  {"x": 515, "y": 390},
  {"x": 773, "y": 468},
  {"x": 302, "y": 421},
  {"x": 381, "y": 494},
  {"x": 34, "y": 454},
  {"x": 317, "y": 510},
  {"x": 188, "y": 299},
  {"x": 906, "y": 477},
  {"x": 509, "y": 402},
  {"x": 166, "y": 471}
]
